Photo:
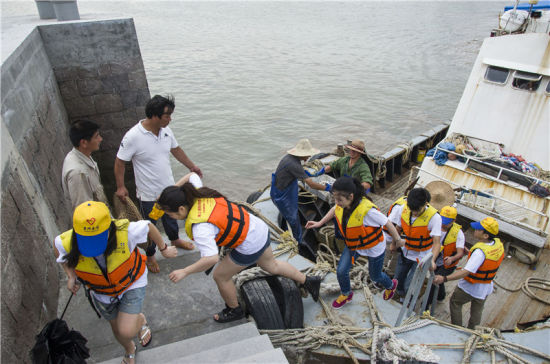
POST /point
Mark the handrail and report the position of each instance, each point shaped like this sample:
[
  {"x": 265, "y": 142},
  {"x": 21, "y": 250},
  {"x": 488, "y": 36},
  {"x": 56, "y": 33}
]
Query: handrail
[
  {"x": 500, "y": 169},
  {"x": 415, "y": 287}
]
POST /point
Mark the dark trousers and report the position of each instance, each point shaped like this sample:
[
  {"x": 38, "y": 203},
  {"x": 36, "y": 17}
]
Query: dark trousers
[
  {"x": 170, "y": 225},
  {"x": 458, "y": 299}
]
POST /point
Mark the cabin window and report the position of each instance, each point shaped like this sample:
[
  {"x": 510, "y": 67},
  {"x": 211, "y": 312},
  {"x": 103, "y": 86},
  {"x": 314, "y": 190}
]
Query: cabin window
[
  {"x": 526, "y": 81},
  {"x": 497, "y": 74},
  {"x": 548, "y": 87}
]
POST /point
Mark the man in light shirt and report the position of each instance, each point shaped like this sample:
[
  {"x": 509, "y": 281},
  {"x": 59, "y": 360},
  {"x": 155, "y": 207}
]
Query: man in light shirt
[
  {"x": 476, "y": 278},
  {"x": 149, "y": 145},
  {"x": 80, "y": 175},
  {"x": 421, "y": 228}
]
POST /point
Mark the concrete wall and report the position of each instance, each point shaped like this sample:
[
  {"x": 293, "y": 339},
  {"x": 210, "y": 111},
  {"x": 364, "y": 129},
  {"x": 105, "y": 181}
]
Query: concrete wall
[
  {"x": 100, "y": 73},
  {"x": 59, "y": 73}
]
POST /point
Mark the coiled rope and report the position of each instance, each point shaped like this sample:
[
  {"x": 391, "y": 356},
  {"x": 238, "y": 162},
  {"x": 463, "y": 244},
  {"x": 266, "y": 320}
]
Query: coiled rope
[{"x": 527, "y": 285}]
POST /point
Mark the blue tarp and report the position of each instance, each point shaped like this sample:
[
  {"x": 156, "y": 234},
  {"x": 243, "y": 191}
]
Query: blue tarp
[{"x": 526, "y": 6}]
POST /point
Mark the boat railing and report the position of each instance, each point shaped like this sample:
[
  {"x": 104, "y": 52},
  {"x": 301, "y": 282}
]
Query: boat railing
[
  {"x": 485, "y": 202},
  {"x": 413, "y": 293},
  {"x": 500, "y": 169}
]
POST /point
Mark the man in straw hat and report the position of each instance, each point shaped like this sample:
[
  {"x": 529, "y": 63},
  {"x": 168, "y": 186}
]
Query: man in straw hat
[
  {"x": 352, "y": 165},
  {"x": 421, "y": 226},
  {"x": 476, "y": 278},
  {"x": 284, "y": 184},
  {"x": 452, "y": 248}
]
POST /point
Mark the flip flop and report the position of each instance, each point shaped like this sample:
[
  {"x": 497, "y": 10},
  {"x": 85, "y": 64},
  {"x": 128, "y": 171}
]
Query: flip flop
[
  {"x": 130, "y": 356},
  {"x": 143, "y": 332},
  {"x": 153, "y": 267}
]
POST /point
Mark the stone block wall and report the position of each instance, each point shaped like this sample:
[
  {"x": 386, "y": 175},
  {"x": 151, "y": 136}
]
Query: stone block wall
[
  {"x": 100, "y": 73},
  {"x": 34, "y": 142},
  {"x": 61, "y": 72}
]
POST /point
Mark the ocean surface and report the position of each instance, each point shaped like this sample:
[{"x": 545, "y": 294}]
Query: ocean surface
[{"x": 252, "y": 78}]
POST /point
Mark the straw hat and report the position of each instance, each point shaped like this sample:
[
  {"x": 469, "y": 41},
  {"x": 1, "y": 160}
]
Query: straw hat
[
  {"x": 303, "y": 149},
  {"x": 356, "y": 145},
  {"x": 442, "y": 194}
]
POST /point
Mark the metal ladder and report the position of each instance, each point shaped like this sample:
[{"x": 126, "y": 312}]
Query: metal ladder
[{"x": 413, "y": 294}]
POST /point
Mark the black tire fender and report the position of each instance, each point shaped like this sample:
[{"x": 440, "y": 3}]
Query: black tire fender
[
  {"x": 289, "y": 299},
  {"x": 253, "y": 197},
  {"x": 262, "y": 305}
]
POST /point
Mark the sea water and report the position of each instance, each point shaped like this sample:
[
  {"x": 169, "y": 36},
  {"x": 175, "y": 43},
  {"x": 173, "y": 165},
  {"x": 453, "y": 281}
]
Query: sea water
[{"x": 252, "y": 78}]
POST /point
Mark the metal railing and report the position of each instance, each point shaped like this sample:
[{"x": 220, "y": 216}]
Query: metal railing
[{"x": 413, "y": 293}]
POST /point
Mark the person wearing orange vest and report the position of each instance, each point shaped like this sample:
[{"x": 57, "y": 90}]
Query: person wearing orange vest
[
  {"x": 213, "y": 222},
  {"x": 360, "y": 223},
  {"x": 476, "y": 278},
  {"x": 421, "y": 230},
  {"x": 102, "y": 253},
  {"x": 452, "y": 248}
]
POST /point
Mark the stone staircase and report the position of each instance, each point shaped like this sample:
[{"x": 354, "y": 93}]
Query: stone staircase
[{"x": 237, "y": 344}]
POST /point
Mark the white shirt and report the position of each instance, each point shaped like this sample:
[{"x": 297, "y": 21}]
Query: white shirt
[
  {"x": 374, "y": 218},
  {"x": 434, "y": 227},
  {"x": 137, "y": 233},
  {"x": 204, "y": 234},
  {"x": 477, "y": 290},
  {"x": 150, "y": 156},
  {"x": 459, "y": 244}
]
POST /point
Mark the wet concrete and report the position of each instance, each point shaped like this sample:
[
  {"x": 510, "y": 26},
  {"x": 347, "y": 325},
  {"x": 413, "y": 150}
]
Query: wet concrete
[{"x": 174, "y": 311}]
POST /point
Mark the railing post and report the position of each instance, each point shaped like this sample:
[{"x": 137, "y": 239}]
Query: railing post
[{"x": 414, "y": 289}]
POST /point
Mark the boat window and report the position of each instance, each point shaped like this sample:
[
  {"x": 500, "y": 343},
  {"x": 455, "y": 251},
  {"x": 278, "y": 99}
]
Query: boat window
[
  {"x": 548, "y": 87},
  {"x": 497, "y": 74},
  {"x": 526, "y": 81}
]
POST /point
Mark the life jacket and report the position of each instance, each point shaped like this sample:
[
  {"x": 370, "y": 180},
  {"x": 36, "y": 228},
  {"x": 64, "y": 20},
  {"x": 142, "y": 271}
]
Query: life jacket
[
  {"x": 494, "y": 254},
  {"x": 417, "y": 235},
  {"x": 123, "y": 267},
  {"x": 448, "y": 245},
  {"x": 356, "y": 235},
  {"x": 399, "y": 202},
  {"x": 232, "y": 220}
]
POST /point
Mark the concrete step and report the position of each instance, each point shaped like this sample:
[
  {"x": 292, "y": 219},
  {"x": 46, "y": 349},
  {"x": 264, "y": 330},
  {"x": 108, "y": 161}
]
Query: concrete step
[
  {"x": 226, "y": 353},
  {"x": 194, "y": 345},
  {"x": 274, "y": 356}
]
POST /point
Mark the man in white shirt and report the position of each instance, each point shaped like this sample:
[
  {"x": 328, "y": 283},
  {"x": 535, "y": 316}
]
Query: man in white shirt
[
  {"x": 421, "y": 227},
  {"x": 452, "y": 248},
  {"x": 148, "y": 145},
  {"x": 80, "y": 175},
  {"x": 476, "y": 278}
]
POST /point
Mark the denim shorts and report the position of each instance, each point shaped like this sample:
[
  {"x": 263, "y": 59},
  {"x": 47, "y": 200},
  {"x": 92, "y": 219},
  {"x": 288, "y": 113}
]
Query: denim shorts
[
  {"x": 131, "y": 302},
  {"x": 246, "y": 260}
]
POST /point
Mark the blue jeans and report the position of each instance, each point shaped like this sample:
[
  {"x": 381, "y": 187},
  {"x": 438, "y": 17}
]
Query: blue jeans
[
  {"x": 375, "y": 271},
  {"x": 404, "y": 272},
  {"x": 170, "y": 225},
  {"x": 286, "y": 201},
  {"x": 130, "y": 302}
]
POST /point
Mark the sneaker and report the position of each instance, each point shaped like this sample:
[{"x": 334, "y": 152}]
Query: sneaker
[
  {"x": 388, "y": 293},
  {"x": 342, "y": 300},
  {"x": 229, "y": 314}
]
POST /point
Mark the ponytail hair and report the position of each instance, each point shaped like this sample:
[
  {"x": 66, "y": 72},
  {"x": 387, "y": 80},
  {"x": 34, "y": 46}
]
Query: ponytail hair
[
  {"x": 347, "y": 186},
  {"x": 172, "y": 197}
]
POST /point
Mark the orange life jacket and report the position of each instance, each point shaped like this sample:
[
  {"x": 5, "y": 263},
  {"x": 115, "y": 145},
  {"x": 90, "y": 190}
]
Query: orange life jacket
[
  {"x": 399, "y": 202},
  {"x": 123, "y": 267},
  {"x": 356, "y": 235},
  {"x": 417, "y": 235},
  {"x": 494, "y": 254},
  {"x": 448, "y": 246},
  {"x": 232, "y": 220}
]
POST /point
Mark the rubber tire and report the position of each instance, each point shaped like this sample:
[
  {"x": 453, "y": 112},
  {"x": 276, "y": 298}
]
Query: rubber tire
[
  {"x": 262, "y": 305},
  {"x": 289, "y": 298},
  {"x": 253, "y": 197}
]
